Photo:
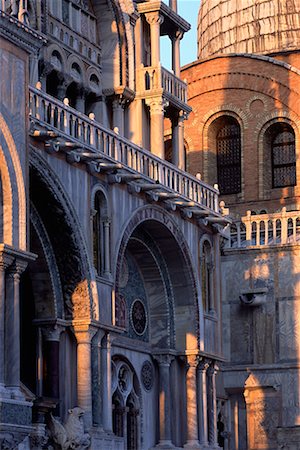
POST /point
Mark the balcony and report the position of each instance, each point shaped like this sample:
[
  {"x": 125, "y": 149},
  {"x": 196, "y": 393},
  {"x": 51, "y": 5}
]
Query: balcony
[
  {"x": 282, "y": 228},
  {"x": 157, "y": 80},
  {"x": 82, "y": 139}
]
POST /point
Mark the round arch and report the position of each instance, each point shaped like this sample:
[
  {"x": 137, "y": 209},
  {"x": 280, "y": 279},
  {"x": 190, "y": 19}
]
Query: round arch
[
  {"x": 74, "y": 265},
  {"x": 209, "y": 146},
  {"x": 14, "y": 200},
  {"x": 163, "y": 259},
  {"x": 283, "y": 117}
]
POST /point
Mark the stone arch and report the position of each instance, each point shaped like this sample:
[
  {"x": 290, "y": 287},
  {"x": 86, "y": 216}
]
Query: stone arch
[
  {"x": 49, "y": 257},
  {"x": 73, "y": 59},
  {"x": 152, "y": 238},
  {"x": 80, "y": 298},
  {"x": 14, "y": 200},
  {"x": 133, "y": 394},
  {"x": 261, "y": 129},
  {"x": 56, "y": 48},
  {"x": 209, "y": 150}
]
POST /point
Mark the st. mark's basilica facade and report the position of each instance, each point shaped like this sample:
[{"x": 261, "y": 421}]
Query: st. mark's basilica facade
[{"x": 137, "y": 311}]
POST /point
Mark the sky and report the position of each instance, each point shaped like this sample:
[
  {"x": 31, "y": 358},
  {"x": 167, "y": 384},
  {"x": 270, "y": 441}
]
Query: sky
[{"x": 188, "y": 9}]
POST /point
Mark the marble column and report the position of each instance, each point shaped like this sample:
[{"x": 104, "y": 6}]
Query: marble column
[
  {"x": 106, "y": 383},
  {"x": 84, "y": 335},
  {"x": 157, "y": 144},
  {"x": 80, "y": 100},
  {"x": 191, "y": 402},
  {"x": 51, "y": 336},
  {"x": 165, "y": 437},
  {"x": 5, "y": 262},
  {"x": 202, "y": 401},
  {"x": 155, "y": 20},
  {"x": 106, "y": 233},
  {"x": 178, "y": 157},
  {"x": 97, "y": 379},
  {"x": 118, "y": 115},
  {"x": 12, "y": 327},
  {"x": 175, "y": 39},
  {"x": 212, "y": 405}
]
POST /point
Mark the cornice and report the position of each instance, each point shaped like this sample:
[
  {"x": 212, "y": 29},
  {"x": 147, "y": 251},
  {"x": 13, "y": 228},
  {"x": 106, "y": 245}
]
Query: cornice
[
  {"x": 166, "y": 11},
  {"x": 20, "y": 34}
]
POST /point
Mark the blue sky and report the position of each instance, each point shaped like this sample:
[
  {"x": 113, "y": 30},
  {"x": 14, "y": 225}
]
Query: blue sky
[{"x": 188, "y": 9}]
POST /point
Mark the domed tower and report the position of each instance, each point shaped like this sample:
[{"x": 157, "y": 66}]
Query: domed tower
[{"x": 260, "y": 26}]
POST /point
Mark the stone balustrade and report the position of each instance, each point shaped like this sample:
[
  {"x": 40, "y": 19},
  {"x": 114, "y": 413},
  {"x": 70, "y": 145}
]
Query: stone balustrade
[
  {"x": 156, "y": 77},
  {"x": 76, "y": 41},
  {"x": 70, "y": 124},
  {"x": 265, "y": 229}
]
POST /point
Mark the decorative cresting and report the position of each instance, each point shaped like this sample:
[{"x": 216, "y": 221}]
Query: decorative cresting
[
  {"x": 74, "y": 266},
  {"x": 152, "y": 213},
  {"x": 263, "y": 26},
  {"x": 14, "y": 208}
]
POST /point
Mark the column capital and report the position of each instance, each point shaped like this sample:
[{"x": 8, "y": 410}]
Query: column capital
[
  {"x": 52, "y": 332},
  {"x": 156, "y": 105},
  {"x": 5, "y": 261},
  {"x": 203, "y": 364},
  {"x": 17, "y": 268},
  {"x": 164, "y": 359},
  {"x": 176, "y": 35},
  {"x": 212, "y": 369},
  {"x": 84, "y": 333},
  {"x": 193, "y": 361},
  {"x": 154, "y": 17}
]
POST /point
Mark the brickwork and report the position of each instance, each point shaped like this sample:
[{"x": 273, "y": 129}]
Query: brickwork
[{"x": 257, "y": 91}]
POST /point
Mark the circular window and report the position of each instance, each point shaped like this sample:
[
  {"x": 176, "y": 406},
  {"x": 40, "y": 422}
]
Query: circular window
[
  {"x": 138, "y": 317},
  {"x": 124, "y": 379},
  {"x": 147, "y": 375}
]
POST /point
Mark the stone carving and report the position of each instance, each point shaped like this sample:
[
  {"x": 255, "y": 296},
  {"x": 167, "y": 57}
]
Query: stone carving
[
  {"x": 71, "y": 435},
  {"x": 147, "y": 375},
  {"x": 138, "y": 317}
]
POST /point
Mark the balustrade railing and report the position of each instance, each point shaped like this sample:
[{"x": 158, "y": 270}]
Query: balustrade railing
[
  {"x": 57, "y": 115},
  {"x": 152, "y": 78},
  {"x": 265, "y": 229}
]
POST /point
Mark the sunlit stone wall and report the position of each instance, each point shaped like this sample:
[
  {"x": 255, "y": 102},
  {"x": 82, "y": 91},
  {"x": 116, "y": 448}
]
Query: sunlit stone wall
[{"x": 247, "y": 26}]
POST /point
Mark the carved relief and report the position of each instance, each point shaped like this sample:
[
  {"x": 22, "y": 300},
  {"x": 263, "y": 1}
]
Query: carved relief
[{"x": 71, "y": 435}]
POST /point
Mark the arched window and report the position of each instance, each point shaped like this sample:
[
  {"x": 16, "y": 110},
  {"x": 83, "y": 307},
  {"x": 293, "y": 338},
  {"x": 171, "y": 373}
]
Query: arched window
[
  {"x": 283, "y": 156},
  {"x": 228, "y": 142},
  {"x": 101, "y": 235},
  {"x": 207, "y": 277}
]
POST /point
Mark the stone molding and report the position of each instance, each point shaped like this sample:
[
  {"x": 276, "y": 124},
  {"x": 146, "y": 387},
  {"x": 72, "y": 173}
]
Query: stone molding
[{"x": 20, "y": 34}]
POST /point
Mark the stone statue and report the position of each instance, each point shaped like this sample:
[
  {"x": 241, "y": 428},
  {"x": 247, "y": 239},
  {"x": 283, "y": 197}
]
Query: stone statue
[{"x": 71, "y": 435}]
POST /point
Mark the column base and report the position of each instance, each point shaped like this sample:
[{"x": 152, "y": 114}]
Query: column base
[
  {"x": 193, "y": 445},
  {"x": 105, "y": 439},
  {"x": 165, "y": 444}
]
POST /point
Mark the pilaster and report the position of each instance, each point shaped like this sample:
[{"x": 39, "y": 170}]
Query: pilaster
[
  {"x": 191, "y": 399},
  {"x": 165, "y": 437},
  {"x": 157, "y": 107},
  {"x": 84, "y": 334},
  {"x": 155, "y": 20}
]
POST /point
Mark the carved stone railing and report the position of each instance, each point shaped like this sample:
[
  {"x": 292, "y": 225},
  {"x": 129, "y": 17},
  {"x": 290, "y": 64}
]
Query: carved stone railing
[
  {"x": 76, "y": 41},
  {"x": 265, "y": 229},
  {"x": 154, "y": 78},
  {"x": 52, "y": 114}
]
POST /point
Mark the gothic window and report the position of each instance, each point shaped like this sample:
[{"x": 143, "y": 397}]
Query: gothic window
[
  {"x": 283, "y": 156},
  {"x": 126, "y": 404},
  {"x": 207, "y": 277},
  {"x": 101, "y": 235},
  {"x": 228, "y": 142}
]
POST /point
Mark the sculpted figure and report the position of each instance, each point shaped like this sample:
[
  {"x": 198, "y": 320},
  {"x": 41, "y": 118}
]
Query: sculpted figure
[{"x": 71, "y": 435}]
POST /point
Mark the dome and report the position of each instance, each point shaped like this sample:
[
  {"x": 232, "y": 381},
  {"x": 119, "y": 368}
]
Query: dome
[{"x": 248, "y": 26}]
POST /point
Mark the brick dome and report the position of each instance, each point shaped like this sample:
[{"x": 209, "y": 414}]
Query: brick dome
[{"x": 247, "y": 26}]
